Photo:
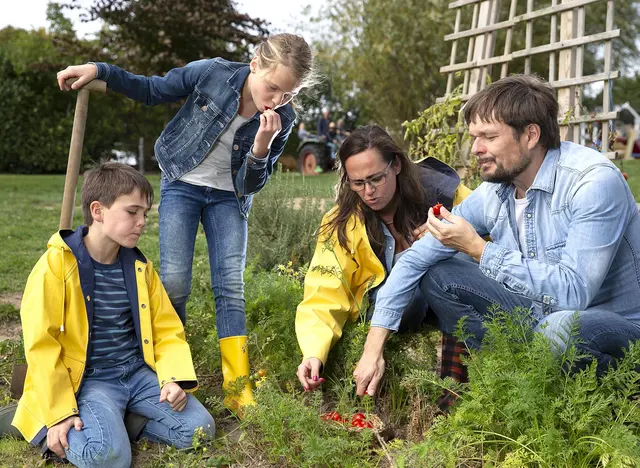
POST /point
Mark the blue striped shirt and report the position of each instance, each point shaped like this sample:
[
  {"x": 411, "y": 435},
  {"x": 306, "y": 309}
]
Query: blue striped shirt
[{"x": 113, "y": 337}]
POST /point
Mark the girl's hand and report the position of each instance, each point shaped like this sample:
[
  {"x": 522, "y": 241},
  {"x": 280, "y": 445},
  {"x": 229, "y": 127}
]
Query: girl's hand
[
  {"x": 84, "y": 73},
  {"x": 270, "y": 126}
]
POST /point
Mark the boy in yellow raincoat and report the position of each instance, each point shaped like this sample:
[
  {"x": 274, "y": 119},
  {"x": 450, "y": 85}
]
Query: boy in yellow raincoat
[{"x": 101, "y": 336}]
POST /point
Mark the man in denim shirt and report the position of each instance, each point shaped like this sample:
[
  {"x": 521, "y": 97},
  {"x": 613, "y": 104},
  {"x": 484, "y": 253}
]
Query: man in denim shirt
[{"x": 564, "y": 230}]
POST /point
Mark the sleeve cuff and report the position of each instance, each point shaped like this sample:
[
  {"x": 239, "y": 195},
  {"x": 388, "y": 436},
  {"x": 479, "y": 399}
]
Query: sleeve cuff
[
  {"x": 258, "y": 163},
  {"x": 318, "y": 352},
  {"x": 386, "y": 318},
  {"x": 103, "y": 70},
  {"x": 491, "y": 259}
]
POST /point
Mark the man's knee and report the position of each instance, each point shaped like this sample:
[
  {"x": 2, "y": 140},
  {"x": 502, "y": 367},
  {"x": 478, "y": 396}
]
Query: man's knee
[
  {"x": 559, "y": 328},
  {"x": 438, "y": 278}
]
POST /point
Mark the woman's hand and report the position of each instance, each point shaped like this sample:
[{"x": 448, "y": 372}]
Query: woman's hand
[{"x": 309, "y": 374}]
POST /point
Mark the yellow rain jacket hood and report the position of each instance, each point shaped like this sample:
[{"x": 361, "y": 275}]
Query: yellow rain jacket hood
[
  {"x": 57, "y": 313},
  {"x": 337, "y": 279}
]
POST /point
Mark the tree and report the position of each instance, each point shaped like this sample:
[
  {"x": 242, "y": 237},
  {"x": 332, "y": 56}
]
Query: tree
[
  {"x": 154, "y": 36},
  {"x": 383, "y": 56}
]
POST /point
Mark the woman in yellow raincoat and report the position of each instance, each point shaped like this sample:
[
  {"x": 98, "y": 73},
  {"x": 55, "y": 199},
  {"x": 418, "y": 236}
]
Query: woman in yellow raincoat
[{"x": 382, "y": 198}]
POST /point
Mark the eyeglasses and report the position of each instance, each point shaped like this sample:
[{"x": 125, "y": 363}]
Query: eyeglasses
[{"x": 374, "y": 181}]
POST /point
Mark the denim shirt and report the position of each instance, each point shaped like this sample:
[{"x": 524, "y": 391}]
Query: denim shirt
[
  {"x": 212, "y": 89},
  {"x": 583, "y": 241}
]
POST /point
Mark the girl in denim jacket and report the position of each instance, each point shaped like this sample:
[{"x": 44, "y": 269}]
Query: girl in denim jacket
[{"x": 218, "y": 150}]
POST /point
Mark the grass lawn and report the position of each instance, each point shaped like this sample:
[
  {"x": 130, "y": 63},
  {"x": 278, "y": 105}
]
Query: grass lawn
[
  {"x": 30, "y": 213},
  {"x": 30, "y": 208},
  {"x": 281, "y": 225},
  {"x": 632, "y": 168}
]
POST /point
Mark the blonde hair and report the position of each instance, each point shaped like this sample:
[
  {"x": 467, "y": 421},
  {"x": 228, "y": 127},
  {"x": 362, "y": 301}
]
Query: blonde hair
[{"x": 291, "y": 51}]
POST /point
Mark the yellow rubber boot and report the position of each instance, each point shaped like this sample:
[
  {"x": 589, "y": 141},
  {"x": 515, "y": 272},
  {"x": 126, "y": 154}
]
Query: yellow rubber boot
[{"x": 235, "y": 372}]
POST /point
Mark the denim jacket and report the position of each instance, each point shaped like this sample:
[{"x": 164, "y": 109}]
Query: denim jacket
[
  {"x": 212, "y": 90},
  {"x": 583, "y": 241}
]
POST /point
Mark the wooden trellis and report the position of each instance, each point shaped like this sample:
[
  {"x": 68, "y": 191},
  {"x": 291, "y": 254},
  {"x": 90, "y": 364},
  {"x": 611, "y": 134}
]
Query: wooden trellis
[{"x": 567, "y": 78}]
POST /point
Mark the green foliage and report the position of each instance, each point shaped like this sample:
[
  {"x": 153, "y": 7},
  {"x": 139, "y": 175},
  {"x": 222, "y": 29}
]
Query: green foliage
[
  {"x": 284, "y": 217},
  {"x": 35, "y": 131},
  {"x": 271, "y": 302},
  {"x": 153, "y": 37},
  {"x": 439, "y": 131},
  {"x": 521, "y": 408},
  {"x": 382, "y": 56},
  {"x": 291, "y": 433}
]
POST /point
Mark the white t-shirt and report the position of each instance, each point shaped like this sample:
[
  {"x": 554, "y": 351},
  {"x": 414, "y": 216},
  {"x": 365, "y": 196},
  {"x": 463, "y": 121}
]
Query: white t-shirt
[
  {"x": 215, "y": 169},
  {"x": 521, "y": 206}
]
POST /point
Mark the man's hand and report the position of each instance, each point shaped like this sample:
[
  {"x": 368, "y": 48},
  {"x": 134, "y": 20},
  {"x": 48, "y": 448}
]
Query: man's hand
[
  {"x": 173, "y": 394},
  {"x": 456, "y": 233},
  {"x": 309, "y": 373},
  {"x": 57, "y": 435},
  {"x": 370, "y": 368}
]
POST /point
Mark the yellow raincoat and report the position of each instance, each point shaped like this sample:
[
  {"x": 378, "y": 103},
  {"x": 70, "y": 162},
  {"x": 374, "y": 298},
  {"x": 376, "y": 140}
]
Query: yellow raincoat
[
  {"x": 330, "y": 300},
  {"x": 56, "y": 313}
]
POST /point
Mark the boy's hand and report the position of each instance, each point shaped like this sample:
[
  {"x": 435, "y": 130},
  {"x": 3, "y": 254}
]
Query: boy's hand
[
  {"x": 84, "y": 73},
  {"x": 173, "y": 394},
  {"x": 270, "y": 126},
  {"x": 57, "y": 435}
]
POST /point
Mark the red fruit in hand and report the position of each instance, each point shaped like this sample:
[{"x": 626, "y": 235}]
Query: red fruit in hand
[
  {"x": 625, "y": 175},
  {"x": 436, "y": 209}
]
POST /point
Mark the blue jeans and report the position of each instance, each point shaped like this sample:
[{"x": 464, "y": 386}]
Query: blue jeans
[
  {"x": 104, "y": 397},
  {"x": 456, "y": 288},
  {"x": 182, "y": 208}
]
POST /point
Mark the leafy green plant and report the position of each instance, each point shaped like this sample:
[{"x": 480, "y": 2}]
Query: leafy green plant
[
  {"x": 292, "y": 434},
  {"x": 521, "y": 408},
  {"x": 284, "y": 218},
  {"x": 440, "y": 132}
]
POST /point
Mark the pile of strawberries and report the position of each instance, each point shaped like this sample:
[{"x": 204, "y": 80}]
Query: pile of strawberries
[{"x": 358, "y": 420}]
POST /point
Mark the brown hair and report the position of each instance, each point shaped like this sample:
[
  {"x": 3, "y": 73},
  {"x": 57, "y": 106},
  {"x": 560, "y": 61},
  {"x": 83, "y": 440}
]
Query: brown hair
[
  {"x": 411, "y": 209},
  {"x": 293, "y": 52},
  {"x": 106, "y": 182},
  {"x": 518, "y": 101}
]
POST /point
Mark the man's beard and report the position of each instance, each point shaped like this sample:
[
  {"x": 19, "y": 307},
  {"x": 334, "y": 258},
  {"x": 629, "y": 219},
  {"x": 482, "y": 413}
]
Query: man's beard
[{"x": 504, "y": 176}]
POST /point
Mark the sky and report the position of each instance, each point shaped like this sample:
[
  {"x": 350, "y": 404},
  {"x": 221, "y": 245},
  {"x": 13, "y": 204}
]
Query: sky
[{"x": 31, "y": 14}]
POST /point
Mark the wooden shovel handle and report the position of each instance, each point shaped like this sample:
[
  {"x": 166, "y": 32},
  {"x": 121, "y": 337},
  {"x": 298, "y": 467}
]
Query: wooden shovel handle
[{"x": 93, "y": 85}]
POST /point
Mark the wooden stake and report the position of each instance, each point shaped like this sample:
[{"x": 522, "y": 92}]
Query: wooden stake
[{"x": 75, "y": 149}]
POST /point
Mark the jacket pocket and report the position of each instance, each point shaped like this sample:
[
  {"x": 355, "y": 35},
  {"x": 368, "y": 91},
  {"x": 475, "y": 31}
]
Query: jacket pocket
[
  {"x": 204, "y": 109},
  {"x": 554, "y": 252},
  {"x": 75, "y": 369}
]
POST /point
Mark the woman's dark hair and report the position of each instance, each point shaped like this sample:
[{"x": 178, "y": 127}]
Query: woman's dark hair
[{"x": 411, "y": 210}]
